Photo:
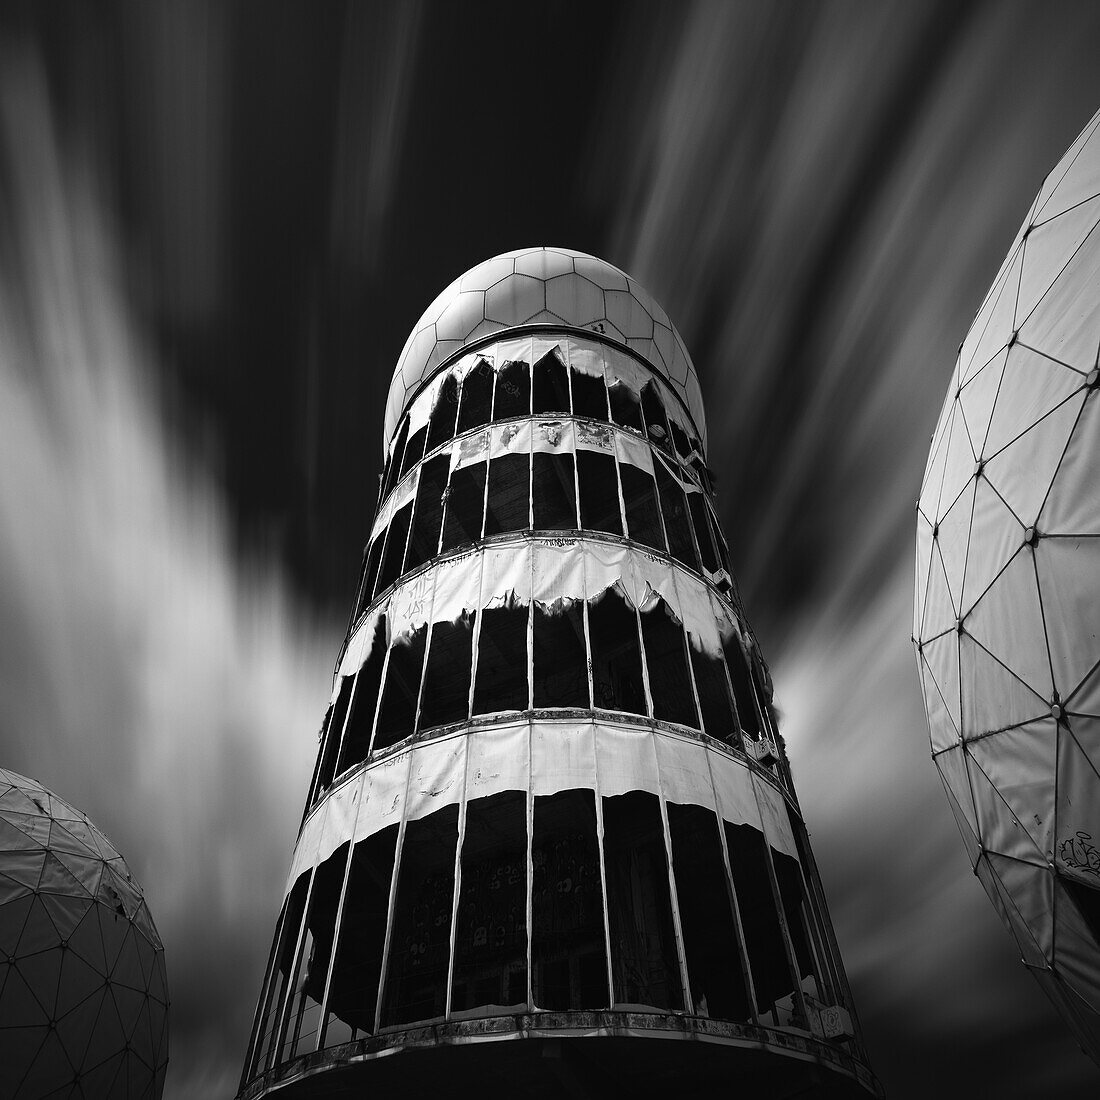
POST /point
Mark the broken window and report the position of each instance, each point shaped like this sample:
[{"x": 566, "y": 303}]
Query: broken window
[
  {"x": 560, "y": 658},
  {"x": 616, "y": 657},
  {"x": 394, "y": 554},
  {"x": 513, "y": 392},
  {"x": 644, "y": 965},
  {"x": 680, "y": 440},
  {"x": 444, "y": 413},
  {"x": 424, "y": 537},
  {"x": 490, "y": 964},
  {"x": 304, "y": 1018},
  {"x": 477, "y": 398},
  {"x": 416, "y": 976},
  {"x": 502, "y": 659},
  {"x": 568, "y": 950},
  {"x": 719, "y": 541},
  {"x": 643, "y": 518},
  {"x": 509, "y": 488},
  {"x": 669, "y": 679},
  {"x": 763, "y": 938},
  {"x": 699, "y": 520},
  {"x": 361, "y": 721},
  {"x": 550, "y": 385},
  {"x": 370, "y": 573},
  {"x": 465, "y": 501},
  {"x": 719, "y": 719},
  {"x": 553, "y": 492},
  {"x": 334, "y": 728},
  {"x": 589, "y": 395},
  {"x": 788, "y": 875},
  {"x": 414, "y": 450},
  {"x": 353, "y": 992},
  {"x": 715, "y": 973},
  {"x": 653, "y": 412},
  {"x": 397, "y": 709},
  {"x": 677, "y": 520},
  {"x": 281, "y": 967},
  {"x": 742, "y": 686},
  {"x": 447, "y": 673},
  {"x": 599, "y": 492},
  {"x": 395, "y": 458},
  {"x": 625, "y": 409}
]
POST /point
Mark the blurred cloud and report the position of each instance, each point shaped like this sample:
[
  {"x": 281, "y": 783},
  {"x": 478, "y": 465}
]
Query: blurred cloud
[{"x": 146, "y": 677}]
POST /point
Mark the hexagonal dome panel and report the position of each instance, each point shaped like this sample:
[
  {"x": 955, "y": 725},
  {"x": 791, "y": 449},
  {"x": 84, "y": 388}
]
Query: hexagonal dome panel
[
  {"x": 83, "y": 995},
  {"x": 1007, "y": 608},
  {"x": 543, "y": 286}
]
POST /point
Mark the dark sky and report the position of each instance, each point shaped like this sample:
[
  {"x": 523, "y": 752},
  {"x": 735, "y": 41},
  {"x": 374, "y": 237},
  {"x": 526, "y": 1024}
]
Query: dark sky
[{"x": 218, "y": 223}]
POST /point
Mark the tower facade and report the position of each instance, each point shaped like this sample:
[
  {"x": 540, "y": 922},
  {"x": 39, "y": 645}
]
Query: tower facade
[{"x": 552, "y": 824}]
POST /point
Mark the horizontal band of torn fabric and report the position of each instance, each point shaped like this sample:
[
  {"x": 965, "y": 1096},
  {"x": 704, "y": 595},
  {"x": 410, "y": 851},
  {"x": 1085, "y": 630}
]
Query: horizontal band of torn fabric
[{"x": 544, "y": 757}]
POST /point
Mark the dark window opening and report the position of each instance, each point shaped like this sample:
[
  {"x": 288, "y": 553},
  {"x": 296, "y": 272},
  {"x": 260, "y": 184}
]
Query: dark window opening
[
  {"x": 553, "y": 492},
  {"x": 424, "y": 538},
  {"x": 550, "y": 386},
  {"x": 677, "y": 520},
  {"x": 560, "y": 657},
  {"x": 513, "y": 392},
  {"x": 447, "y": 673},
  {"x": 305, "y": 1020},
  {"x": 361, "y": 722},
  {"x": 465, "y": 501},
  {"x": 416, "y": 977},
  {"x": 669, "y": 679},
  {"x": 616, "y": 657},
  {"x": 509, "y": 494},
  {"x": 599, "y": 493},
  {"x": 414, "y": 449},
  {"x": 653, "y": 412},
  {"x": 625, "y": 409},
  {"x": 397, "y": 710},
  {"x": 715, "y": 973},
  {"x": 763, "y": 939},
  {"x": 742, "y": 686},
  {"x": 396, "y": 455},
  {"x": 789, "y": 877},
  {"x": 502, "y": 659},
  {"x": 589, "y": 395},
  {"x": 702, "y": 472},
  {"x": 719, "y": 719},
  {"x": 719, "y": 542},
  {"x": 444, "y": 413},
  {"x": 568, "y": 949},
  {"x": 680, "y": 439},
  {"x": 490, "y": 967},
  {"x": 644, "y": 962},
  {"x": 353, "y": 992},
  {"x": 394, "y": 554},
  {"x": 370, "y": 573},
  {"x": 477, "y": 397},
  {"x": 282, "y": 964},
  {"x": 643, "y": 517},
  {"x": 700, "y": 522},
  {"x": 333, "y": 731}
]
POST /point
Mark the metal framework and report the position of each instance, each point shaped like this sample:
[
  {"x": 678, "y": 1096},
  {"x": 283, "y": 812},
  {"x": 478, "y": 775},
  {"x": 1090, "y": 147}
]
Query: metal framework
[{"x": 551, "y": 803}]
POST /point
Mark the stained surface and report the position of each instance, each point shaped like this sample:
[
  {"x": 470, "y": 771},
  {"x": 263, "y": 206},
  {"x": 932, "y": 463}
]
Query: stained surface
[{"x": 1007, "y": 603}]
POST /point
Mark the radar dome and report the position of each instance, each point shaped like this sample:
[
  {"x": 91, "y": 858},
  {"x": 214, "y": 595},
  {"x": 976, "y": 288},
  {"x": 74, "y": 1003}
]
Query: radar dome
[
  {"x": 543, "y": 287},
  {"x": 83, "y": 998},
  {"x": 1007, "y": 615}
]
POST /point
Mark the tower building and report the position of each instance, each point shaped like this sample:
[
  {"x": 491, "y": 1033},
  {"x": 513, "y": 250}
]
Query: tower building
[{"x": 552, "y": 824}]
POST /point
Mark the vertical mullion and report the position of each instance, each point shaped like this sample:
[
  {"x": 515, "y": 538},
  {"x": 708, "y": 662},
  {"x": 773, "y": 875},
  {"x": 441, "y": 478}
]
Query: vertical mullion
[
  {"x": 424, "y": 660},
  {"x": 603, "y": 868},
  {"x": 457, "y": 880},
  {"x": 530, "y": 867}
]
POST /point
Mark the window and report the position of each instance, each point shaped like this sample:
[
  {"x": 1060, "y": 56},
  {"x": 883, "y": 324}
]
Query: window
[
  {"x": 719, "y": 719},
  {"x": 361, "y": 722},
  {"x": 334, "y": 728},
  {"x": 490, "y": 966},
  {"x": 625, "y": 408},
  {"x": 644, "y": 963},
  {"x": 653, "y": 411},
  {"x": 370, "y": 573},
  {"x": 447, "y": 673},
  {"x": 568, "y": 950},
  {"x": 416, "y": 977},
  {"x": 669, "y": 679},
  {"x": 394, "y": 554},
  {"x": 444, "y": 413},
  {"x": 509, "y": 489},
  {"x": 643, "y": 517},
  {"x": 550, "y": 386},
  {"x": 465, "y": 501},
  {"x": 599, "y": 492},
  {"x": 742, "y": 686},
  {"x": 589, "y": 395},
  {"x": 700, "y": 521},
  {"x": 395, "y": 458},
  {"x": 424, "y": 537},
  {"x": 560, "y": 658},
  {"x": 501, "y": 682},
  {"x": 477, "y": 398},
  {"x": 513, "y": 391},
  {"x": 414, "y": 450},
  {"x": 616, "y": 657},
  {"x": 553, "y": 493},
  {"x": 397, "y": 709},
  {"x": 281, "y": 966}
]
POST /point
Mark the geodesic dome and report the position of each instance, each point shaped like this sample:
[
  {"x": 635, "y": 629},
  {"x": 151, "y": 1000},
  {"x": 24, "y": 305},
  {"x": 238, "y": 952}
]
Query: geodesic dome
[
  {"x": 83, "y": 997},
  {"x": 1007, "y": 611},
  {"x": 543, "y": 286}
]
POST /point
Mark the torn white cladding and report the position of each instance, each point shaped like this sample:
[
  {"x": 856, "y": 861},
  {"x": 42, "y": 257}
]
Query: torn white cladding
[
  {"x": 1007, "y": 608},
  {"x": 83, "y": 995},
  {"x": 551, "y": 799}
]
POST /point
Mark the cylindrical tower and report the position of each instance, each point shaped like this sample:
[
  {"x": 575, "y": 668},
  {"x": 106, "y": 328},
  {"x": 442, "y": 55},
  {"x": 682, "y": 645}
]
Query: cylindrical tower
[{"x": 551, "y": 804}]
